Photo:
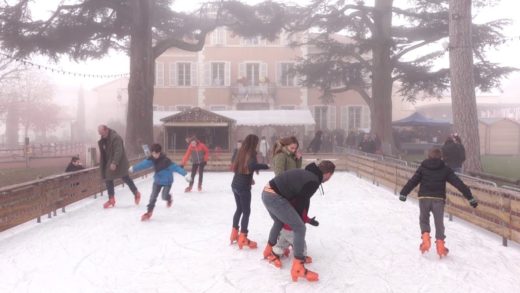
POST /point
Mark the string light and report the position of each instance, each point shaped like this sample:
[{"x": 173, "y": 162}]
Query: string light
[{"x": 63, "y": 72}]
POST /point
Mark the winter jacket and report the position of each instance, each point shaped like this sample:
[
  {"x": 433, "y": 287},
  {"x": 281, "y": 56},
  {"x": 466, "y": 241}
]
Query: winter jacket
[
  {"x": 244, "y": 181},
  {"x": 433, "y": 175},
  {"x": 73, "y": 168},
  {"x": 285, "y": 160},
  {"x": 298, "y": 186},
  {"x": 198, "y": 154},
  {"x": 315, "y": 144},
  {"x": 112, "y": 150},
  {"x": 453, "y": 154},
  {"x": 164, "y": 169}
]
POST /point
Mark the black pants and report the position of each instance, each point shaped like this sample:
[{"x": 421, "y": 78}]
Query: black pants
[
  {"x": 243, "y": 201},
  {"x": 194, "y": 168},
  {"x": 155, "y": 193},
  {"x": 110, "y": 185}
]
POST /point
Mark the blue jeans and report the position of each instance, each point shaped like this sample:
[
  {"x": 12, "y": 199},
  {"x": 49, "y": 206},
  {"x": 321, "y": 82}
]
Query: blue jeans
[
  {"x": 243, "y": 201},
  {"x": 155, "y": 193},
  {"x": 281, "y": 211}
]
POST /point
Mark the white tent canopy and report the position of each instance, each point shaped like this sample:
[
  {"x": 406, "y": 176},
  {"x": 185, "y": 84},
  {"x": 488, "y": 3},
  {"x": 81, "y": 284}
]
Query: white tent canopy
[{"x": 256, "y": 117}]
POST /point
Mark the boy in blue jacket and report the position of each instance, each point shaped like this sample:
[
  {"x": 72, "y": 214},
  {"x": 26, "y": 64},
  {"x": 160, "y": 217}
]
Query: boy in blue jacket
[{"x": 162, "y": 179}]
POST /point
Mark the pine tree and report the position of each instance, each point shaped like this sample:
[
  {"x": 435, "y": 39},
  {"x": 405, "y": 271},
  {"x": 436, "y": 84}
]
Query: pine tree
[{"x": 373, "y": 53}]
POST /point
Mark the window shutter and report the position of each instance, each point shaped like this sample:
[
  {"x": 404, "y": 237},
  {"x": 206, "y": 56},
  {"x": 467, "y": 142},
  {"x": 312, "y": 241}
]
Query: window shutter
[
  {"x": 344, "y": 118},
  {"x": 331, "y": 117},
  {"x": 207, "y": 74},
  {"x": 279, "y": 74},
  {"x": 365, "y": 117},
  {"x": 194, "y": 72},
  {"x": 263, "y": 70},
  {"x": 227, "y": 74},
  {"x": 159, "y": 74}
]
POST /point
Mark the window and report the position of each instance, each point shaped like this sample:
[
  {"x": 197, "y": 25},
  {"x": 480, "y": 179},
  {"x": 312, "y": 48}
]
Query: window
[
  {"x": 184, "y": 74},
  {"x": 325, "y": 117},
  {"x": 218, "y": 108},
  {"x": 355, "y": 117},
  {"x": 218, "y": 36},
  {"x": 254, "y": 41},
  {"x": 286, "y": 76},
  {"x": 159, "y": 74},
  {"x": 217, "y": 74},
  {"x": 253, "y": 73}
]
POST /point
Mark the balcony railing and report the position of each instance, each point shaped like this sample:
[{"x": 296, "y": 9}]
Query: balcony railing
[{"x": 248, "y": 93}]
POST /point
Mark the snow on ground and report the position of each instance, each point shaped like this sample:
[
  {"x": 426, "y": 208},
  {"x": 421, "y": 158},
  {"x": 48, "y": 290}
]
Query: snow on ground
[{"x": 367, "y": 241}]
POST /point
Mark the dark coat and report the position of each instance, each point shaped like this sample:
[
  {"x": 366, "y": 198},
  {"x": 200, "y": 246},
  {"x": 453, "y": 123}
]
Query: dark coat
[
  {"x": 73, "y": 168},
  {"x": 112, "y": 150},
  {"x": 244, "y": 181},
  {"x": 298, "y": 186},
  {"x": 433, "y": 175}
]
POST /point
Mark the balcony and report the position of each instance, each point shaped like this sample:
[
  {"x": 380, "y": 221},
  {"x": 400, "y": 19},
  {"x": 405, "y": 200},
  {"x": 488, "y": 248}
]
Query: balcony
[{"x": 262, "y": 93}]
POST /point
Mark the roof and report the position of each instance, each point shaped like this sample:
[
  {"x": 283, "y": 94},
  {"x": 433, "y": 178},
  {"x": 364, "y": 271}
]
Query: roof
[
  {"x": 252, "y": 118},
  {"x": 418, "y": 119},
  {"x": 197, "y": 115}
]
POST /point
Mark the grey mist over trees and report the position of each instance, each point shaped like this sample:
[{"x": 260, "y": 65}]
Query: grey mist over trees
[
  {"x": 143, "y": 28},
  {"x": 388, "y": 49}
]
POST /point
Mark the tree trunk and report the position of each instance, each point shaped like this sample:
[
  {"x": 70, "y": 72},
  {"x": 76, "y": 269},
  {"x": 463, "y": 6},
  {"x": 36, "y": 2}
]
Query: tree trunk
[
  {"x": 12, "y": 124},
  {"x": 382, "y": 72},
  {"x": 139, "y": 126},
  {"x": 464, "y": 104}
]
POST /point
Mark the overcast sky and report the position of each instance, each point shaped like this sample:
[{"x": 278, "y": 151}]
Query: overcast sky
[{"x": 118, "y": 63}]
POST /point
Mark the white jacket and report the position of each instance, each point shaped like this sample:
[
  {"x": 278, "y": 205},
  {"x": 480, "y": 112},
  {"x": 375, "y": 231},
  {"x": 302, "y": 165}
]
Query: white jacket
[{"x": 263, "y": 147}]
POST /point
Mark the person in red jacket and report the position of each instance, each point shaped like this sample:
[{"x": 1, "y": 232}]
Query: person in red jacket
[{"x": 199, "y": 155}]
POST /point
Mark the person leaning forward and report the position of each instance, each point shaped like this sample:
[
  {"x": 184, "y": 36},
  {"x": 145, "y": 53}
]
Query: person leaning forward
[
  {"x": 114, "y": 164},
  {"x": 285, "y": 197}
]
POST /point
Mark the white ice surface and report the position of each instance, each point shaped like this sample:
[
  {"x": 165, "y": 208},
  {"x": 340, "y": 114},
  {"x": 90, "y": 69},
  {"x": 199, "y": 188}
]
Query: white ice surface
[{"x": 367, "y": 241}]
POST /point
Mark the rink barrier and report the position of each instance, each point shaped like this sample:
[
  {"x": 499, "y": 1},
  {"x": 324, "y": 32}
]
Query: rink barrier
[
  {"x": 33, "y": 200},
  {"x": 498, "y": 210}
]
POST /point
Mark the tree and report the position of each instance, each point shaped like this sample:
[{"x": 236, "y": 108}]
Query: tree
[
  {"x": 373, "y": 53},
  {"x": 9, "y": 72},
  {"x": 463, "y": 99},
  {"x": 143, "y": 28}
]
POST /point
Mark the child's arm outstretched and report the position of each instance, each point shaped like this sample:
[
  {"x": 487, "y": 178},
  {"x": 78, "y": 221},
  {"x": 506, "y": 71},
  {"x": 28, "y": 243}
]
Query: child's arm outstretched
[
  {"x": 454, "y": 180},
  {"x": 411, "y": 184},
  {"x": 144, "y": 164},
  {"x": 177, "y": 169}
]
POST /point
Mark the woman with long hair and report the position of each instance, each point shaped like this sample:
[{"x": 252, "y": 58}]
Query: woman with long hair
[
  {"x": 244, "y": 165},
  {"x": 286, "y": 155}
]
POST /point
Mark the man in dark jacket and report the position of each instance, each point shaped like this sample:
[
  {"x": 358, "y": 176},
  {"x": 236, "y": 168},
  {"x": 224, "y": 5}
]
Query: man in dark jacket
[
  {"x": 74, "y": 165},
  {"x": 114, "y": 164},
  {"x": 433, "y": 175},
  {"x": 453, "y": 154},
  {"x": 286, "y": 197}
]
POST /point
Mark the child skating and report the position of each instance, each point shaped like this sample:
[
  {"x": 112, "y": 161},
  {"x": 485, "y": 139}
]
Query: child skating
[
  {"x": 432, "y": 176},
  {"x": 162, "y": 179}
]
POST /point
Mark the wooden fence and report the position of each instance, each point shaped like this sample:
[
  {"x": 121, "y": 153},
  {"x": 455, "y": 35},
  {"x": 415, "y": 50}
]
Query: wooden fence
[
  {"x": 41, "y": 150},
  {"x": 32, "y": 200},
  {"x": 498, "y": 210}
]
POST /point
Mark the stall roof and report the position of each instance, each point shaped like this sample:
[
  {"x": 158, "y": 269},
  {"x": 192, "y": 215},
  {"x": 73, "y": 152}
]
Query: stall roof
[
  {"x": 255, "y": 117},
  {"x": 417, "y": 119}
]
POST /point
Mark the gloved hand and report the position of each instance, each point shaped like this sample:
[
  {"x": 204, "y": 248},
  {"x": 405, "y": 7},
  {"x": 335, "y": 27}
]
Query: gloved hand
[
  {"x": 131, "y": 169},
  {"x": 473, "y": 202},
  {"x": 312, "y": 221},
  {"x": 402, "y": 197},
  {"x": 188, "y": 177}
]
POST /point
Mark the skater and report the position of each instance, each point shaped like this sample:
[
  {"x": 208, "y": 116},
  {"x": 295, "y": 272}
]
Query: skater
[
  {"x": 114, "y": 164},
  {"x": 244, "y": 166},
  {"x": 285, "y": 196},
  {"x": 432, "y": 176},
  {"x": 286, "y": 155},
  {"x": 315, "y": 143},
  {"x": 199, "y": 154},
  {"x": 162, "y": 179},
  {"x": 453, "y": 153},
  {"x": 286, "y": 240},
  {"x": 74, "y": 165}
]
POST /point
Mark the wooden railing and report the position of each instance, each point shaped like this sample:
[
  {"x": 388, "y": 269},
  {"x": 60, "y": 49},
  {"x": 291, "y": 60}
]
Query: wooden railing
[
  {"x": 41, "y": 150},
  {"x": 44, "y": 197},
  {"x": 498, "y": 210}
]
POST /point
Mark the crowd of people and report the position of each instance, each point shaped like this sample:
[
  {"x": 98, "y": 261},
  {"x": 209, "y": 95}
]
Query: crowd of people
[{"x": 287, "y": 196}]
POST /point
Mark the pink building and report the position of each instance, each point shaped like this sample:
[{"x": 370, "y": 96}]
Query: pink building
[{"x": 233, "y": 73}]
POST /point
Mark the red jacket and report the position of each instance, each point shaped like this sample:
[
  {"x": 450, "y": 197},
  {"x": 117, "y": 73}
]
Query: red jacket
[{"x": 199, "y": 153}]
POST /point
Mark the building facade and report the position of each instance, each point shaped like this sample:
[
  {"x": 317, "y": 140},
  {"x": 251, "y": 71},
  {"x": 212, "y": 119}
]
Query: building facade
[{"x": 233, "y": 73}]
